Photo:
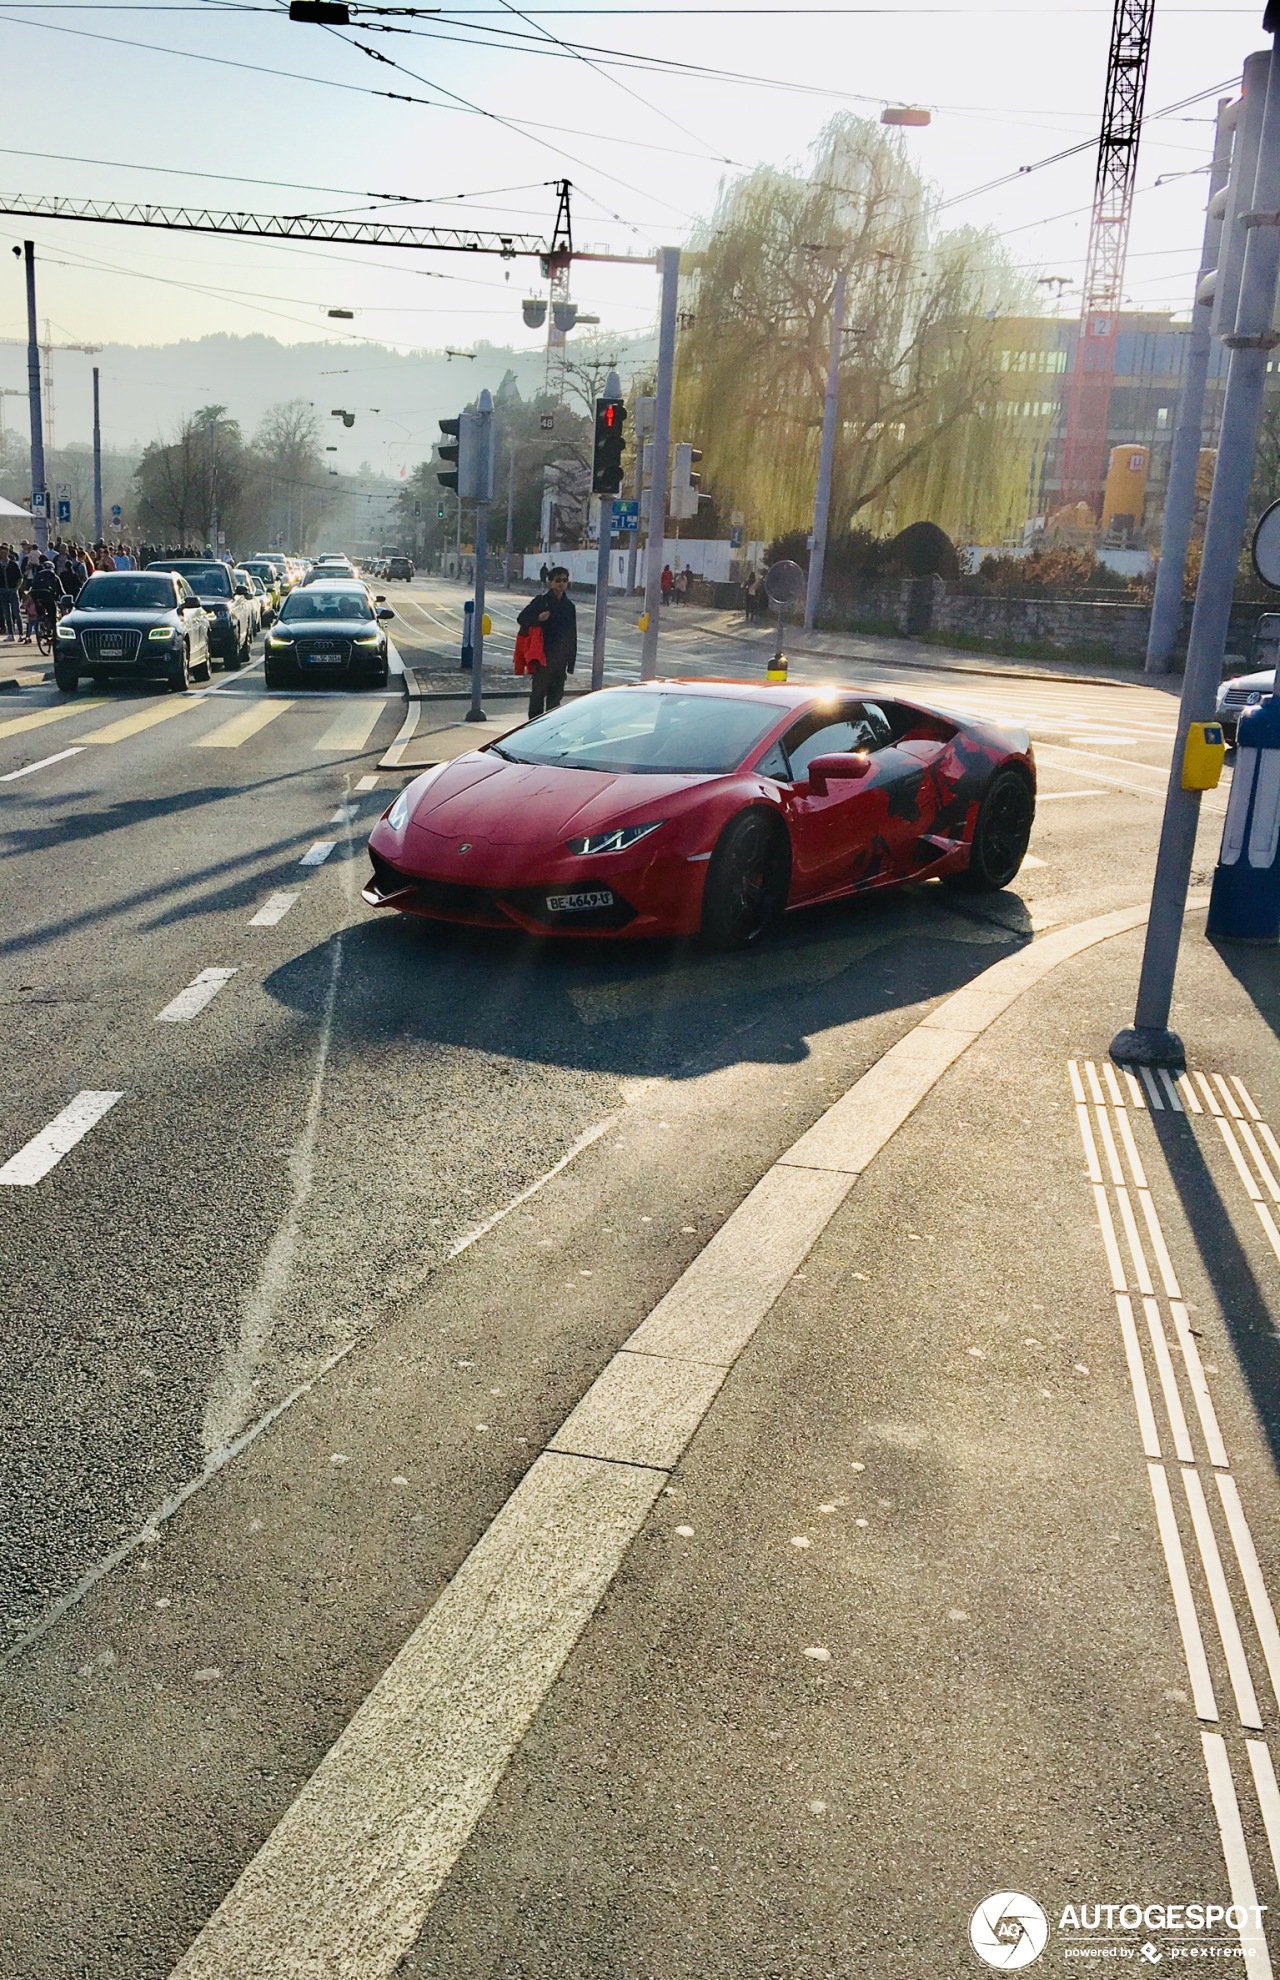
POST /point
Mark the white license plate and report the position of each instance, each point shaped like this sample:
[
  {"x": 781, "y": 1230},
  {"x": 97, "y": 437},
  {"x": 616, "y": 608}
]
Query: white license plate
[
  {"x": 321, "y": 659},
  {"x": 579, "y": 903},
  {"x": 112, "y": 646}
]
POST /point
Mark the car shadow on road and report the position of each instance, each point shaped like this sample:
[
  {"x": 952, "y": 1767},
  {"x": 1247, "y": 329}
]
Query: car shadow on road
[{"x": 657, "y": 1009}]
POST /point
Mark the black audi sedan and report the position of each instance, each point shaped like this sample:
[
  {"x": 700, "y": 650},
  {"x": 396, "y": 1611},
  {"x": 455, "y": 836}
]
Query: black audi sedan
[
  {"x": 147, "y": 624},
  {"x": 326, "y": 634}
]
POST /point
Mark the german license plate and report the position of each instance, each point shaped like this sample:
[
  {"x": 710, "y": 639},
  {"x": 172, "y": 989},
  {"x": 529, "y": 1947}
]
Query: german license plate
[
  {"x": 579, "y": 903},
  {"x": 111, "y": 645},
  {"x": 321, "y": 656}
]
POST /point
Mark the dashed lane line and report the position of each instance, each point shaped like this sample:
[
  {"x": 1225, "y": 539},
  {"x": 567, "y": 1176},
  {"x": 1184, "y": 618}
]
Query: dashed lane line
[
  {"x": 345, "y": 1882},
  {"x": 12, "y": 776},
  {"x": 190, "y": 1002},
  {"x": 274, "y": 910},
  {"x": 239, "y": 728},
  {"x": 32, "y": 1163},
  {"x": 367, "y": 784},
  {"x": 317, "y": 854}
]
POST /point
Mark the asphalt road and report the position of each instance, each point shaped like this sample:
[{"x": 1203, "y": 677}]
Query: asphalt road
[{"x": 257, "y": 1404}]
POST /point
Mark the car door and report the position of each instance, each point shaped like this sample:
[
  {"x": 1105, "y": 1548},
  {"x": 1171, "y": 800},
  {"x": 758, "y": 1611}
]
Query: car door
[
  {"x": 856, "y": 833},
  {"x": 196, "y": 621}
]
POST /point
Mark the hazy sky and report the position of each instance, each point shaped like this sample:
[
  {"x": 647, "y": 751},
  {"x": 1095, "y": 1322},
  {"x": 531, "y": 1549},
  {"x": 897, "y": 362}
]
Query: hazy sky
[{"x": 1007, "y": 84}]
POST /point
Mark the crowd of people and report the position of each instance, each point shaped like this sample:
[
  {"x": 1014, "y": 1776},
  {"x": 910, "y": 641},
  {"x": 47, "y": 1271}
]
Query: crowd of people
[{"x": 33, "y": 581}]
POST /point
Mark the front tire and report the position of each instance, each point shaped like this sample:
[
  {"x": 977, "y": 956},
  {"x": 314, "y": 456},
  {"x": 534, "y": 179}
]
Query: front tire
[
  {"x": 273, "y": 676},
  {"x": 180, "y": 679},
  {"x": 236, "y": 659},
  {"x": 1000, "y": 835},
  {"x": 747, "y": 881},
  {"x": 66, "y": 675}
]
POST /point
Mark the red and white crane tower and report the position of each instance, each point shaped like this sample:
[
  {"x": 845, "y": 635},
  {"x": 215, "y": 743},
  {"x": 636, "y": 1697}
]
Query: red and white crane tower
[{"x": 1084, "y": 451}]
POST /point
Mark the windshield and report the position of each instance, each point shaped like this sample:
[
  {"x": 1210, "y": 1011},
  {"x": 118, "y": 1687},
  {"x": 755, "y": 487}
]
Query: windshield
[
  {"x": 319, "y": 604},
  {"x": 126, "y": 593},
  {"x": 212, "y": 580},
  {"x": 630, "y": 729}
]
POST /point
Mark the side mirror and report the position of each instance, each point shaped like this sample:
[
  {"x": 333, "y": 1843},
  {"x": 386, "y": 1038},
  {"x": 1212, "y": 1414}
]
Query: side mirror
[
  {"x": 840, "y": 766},
  {"x": 380, "y": 597},
  {"x": 244, "y": 591},
  {"x": 385, "y": 612}
]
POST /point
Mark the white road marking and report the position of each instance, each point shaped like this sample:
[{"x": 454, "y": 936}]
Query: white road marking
[
  {"x": 1209, "y": 1094},
  {"x": 1168, "y": 1383},
  {"x": 47, "y": 1148},
  {"x": 1109, "y": 1245},
  {"x": 1135, "y": 1091},
  {"x": 190, "y": 1002},
  {"x": 1199, "y": 1386},
  {"x": 1158, "y": 1245},
  {"x": 1077, "y": 1087},
  {"x": 1095, "y": 1085},
  {"x": 1224, "y": 1128},
  {"x": 28, "y": 769},
  {"x": 1186, "y": 1091},
  {"x": 1153, "y": 1091},
  {"x": 1138, "y": 1377},
  {"x": 1264, "y": 1782},
  {"x": 1269, "y": 1226},
  {"x": 1232, "y": 1104},
  {"x": 1113, "y": 1084},
  {"x": 344, "y": 814},
  {"x": 1206, "y": 1705},
  {"x": 1220, "y": 1597},
  {"x": 1234, "y": 1853},
  {"x": 1243, "y": 1091},
  {"x": 273, "y": 910},
  {"x": 1264, "y": 1615},
  {"x": 1136, "y": 1169},
  {"x": 1049, "y": 797},
  {"x": 1260, "y": 1162},
  {"x": 1130, "y": 1223},
  {"x": 1109, "y": 1144},
  {"x": 404, "y": 735},
  {"x": 367, "y": 784},
  {"x": 1090, "y": 1146},
  {"x": 318, "y": 853},
  {"x": 1270, "y": 1140}
]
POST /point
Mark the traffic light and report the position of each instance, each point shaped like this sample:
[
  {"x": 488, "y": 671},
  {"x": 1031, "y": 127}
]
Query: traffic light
[
  {"x": 471, "y": 478},
  {"x": 684, "y": 482},
  {"x": 606, "y": 466},
  {"x": 439, "y": 511}
]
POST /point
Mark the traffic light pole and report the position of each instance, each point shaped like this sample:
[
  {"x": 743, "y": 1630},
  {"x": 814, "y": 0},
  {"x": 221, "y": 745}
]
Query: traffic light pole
[
  {"x": 1149, "y": 1041},
  {"x": 97, "y": 461},
  {"x": 38, "y": 490},
  {"x": 669, "y": 265},
  {"x": 1184, "y": 457},
  {"x": 612, "y": 391},
  {"x": 484, "y": 495}
]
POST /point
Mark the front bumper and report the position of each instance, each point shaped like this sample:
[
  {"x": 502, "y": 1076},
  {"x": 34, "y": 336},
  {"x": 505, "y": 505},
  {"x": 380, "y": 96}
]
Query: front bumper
[{"x": 643, "y": 898}]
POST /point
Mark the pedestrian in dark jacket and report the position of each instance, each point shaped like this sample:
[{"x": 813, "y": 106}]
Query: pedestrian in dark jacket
[
  {"x": 10, "y": 585},
  {"x": 556, "y": 614}
]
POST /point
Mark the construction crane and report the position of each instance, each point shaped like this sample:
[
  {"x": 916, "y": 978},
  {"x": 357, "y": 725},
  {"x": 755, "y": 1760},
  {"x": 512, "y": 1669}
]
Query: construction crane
[
  {"x": 1084, "y": 450},
  {"x": 47, "y": 349}
]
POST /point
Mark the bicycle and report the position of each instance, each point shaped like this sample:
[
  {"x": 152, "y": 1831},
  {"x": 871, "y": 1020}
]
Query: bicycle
[{"x": 46, "y": 625}]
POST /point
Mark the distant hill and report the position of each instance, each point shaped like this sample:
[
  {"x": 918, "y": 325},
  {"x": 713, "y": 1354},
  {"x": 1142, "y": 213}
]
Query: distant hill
[{"x": 146, "y": 389}]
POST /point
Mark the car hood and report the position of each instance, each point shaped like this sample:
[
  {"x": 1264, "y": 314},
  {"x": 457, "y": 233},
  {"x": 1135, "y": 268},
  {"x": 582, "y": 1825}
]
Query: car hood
[
  {"x": 1264, "y": 683},
  {"x": 325, "y": 628},
  {"x": 483, "y": 797},
  {"x": 123, "y": 619}
]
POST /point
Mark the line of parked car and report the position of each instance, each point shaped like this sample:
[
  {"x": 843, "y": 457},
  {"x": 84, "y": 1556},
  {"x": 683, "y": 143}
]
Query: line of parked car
[{"x": 183, "y": 615}]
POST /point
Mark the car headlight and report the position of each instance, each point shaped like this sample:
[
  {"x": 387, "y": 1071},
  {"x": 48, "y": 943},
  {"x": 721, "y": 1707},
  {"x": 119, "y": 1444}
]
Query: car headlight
[
  {"x": 66, "y": 632},
  {"x": 367, "y": 639},
  {"x": 398, "y": 816},
  {"x": 279, "y": 639},
  {"x": 161, "y": 632},
  {"x": 615, "y": 841}
]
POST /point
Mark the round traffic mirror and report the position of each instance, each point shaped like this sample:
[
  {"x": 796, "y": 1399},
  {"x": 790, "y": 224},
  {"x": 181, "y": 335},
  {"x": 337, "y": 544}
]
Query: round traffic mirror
[
  {"x": 784, "y": 584},
  {"x": 1266, "y": 547}
]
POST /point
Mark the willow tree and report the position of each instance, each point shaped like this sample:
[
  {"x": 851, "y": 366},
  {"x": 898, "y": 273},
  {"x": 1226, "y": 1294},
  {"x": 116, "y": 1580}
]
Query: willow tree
[{"x": 922, "y": 370}]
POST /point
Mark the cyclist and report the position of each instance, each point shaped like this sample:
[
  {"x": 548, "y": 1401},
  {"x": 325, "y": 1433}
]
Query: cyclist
[{"x": 46, "y": 592}]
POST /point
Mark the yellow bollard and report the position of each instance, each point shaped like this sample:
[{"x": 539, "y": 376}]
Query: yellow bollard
[
  {"x": 642, "y": 623},
  {"x": 486, "y": 624}
]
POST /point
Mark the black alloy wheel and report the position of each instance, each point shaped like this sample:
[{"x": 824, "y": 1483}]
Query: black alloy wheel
[
  {"x": 1000, "y": 836},
  {"x": 204, "y": 672},
  {"x": 66, "y": 675},
  {"x": 180, "y": 679},
  {"x": 236, "y": 658},
  {"x": 747, "y": 882}
]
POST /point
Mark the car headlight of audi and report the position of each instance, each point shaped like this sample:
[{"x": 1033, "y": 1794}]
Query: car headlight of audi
[
  {"x": 280, "y": 639},
  {"x": 67, "y": 632},
  {"x": 163, "y": 632},
  {"x": 367, "y": 639},
  {"x": 615, "y": 841}
]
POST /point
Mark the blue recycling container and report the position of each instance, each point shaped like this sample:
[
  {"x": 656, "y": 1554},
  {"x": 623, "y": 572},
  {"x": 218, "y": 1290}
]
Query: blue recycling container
[{"x": 1245, "y": 903}]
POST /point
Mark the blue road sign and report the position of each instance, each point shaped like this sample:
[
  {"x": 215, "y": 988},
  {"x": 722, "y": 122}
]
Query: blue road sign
[
  {"x": 626, "y": 515},
  {"x": 64, "y": 511},
  {"x": 116, "y": 512}
]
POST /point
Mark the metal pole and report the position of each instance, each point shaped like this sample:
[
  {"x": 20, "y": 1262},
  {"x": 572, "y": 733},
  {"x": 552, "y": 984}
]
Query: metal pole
[
  {"x": 38, "y": 489},
  {"x": 97, "y": 461},
  {"x": 1184, "y": 456},
  {"x": 612, "y": 390},
  {"x": 822, "y": 495},
  {"x": 669, "y": 265},
  {"x": 511, "y": 502},
  {"x": 1150, "y": 1041},
  {"x": 484, "y": 407}
]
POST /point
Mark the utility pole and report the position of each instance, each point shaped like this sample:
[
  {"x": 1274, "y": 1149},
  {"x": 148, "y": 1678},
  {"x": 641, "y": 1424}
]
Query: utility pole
[
  {"x": 511, "y": 503},
  {"x": 822, "y": 495},
  {"x": 1184, "y": 456},
  {"x": 669, "y": 269},
  {"x": 97, "y": 461},
  {"x": 1150, "y": 1041},
  {"x": 484, "y": 495},
  {"x": 39, "y": 493}
]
